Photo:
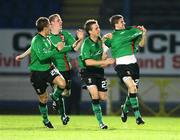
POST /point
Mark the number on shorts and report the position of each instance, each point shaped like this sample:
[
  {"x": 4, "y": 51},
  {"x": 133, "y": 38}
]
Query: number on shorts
[
  {"x": 54, "y": 71},
  {"x": 136, "y": 81},
  {"x": 104, "y": 84}
]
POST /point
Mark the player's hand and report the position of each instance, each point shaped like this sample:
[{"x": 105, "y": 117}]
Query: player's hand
[
  {"x": 110, "y": 61},
  {"x": 60, "y": 46},
  {"x": 142, "y": 29},
  {"x": 107, "y": 36},
  {"x": 80, "y": 34},
  {"x": 18, "y": 58},
  {"x": 107, "y": 62}
]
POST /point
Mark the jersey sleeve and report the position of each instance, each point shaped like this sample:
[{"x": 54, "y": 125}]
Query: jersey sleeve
[
  {"x": 69, "y": 39},
  {"x": 108, "y": 43},
  {"x": 42, "y": 51},
  {"x": 136, "y": 32}
]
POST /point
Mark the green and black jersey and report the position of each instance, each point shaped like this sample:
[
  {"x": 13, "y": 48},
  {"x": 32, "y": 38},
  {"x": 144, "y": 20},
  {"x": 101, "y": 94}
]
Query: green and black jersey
[
  {"x": 61, "y": 59},
  {"x": 91, "y": 50},
  {"x": 41, "y": 53},
  {"x": 124, "y": 42}
]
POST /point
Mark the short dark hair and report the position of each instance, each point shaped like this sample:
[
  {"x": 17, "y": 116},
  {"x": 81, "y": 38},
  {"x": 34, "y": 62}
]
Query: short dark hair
[
  {"x": 42, "y": 22},
  {"x": 53, "y": 16},
  {"x": 88, "y": 24},
  {"x": 114, "y": 20}
]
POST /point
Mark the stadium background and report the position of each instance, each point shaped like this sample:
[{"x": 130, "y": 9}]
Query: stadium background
[{"x": 159, "y": 61}]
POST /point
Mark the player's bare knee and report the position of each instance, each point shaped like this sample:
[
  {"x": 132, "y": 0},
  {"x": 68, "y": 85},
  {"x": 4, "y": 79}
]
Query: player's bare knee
[
  {"x": 43, "y": 99},
  {"x": 63, "y": 84},
  {"x": 60, "y": 82},
  {"x": 94, "y": 96},
  {"x": 132, "y": 88},
  {"x": 103, "y": 98}
]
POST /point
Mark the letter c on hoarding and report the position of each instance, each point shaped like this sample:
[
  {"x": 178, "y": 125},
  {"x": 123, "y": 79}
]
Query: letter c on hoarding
[{"x": 16, "y": 41}]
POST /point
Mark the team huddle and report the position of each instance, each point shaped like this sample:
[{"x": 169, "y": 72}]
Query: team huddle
[{"x": 50, "y": 63}]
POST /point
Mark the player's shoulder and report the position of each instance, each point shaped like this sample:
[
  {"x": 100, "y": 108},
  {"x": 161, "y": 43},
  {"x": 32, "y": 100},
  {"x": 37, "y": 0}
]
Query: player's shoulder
[
  {"x": 86, "y": 43},
  {"x": 87, "y": 40},
  {"x": 65, "y": 32},
  {"x": 38, "y": 39}
]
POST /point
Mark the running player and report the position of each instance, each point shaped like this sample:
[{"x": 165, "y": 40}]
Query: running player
[{"x": 92, "y": 62}]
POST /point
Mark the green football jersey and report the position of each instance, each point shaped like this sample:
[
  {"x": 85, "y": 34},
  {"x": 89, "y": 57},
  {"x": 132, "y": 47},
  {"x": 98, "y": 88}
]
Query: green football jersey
[
  {"x": 61, "y": 59},
  {"x": 124, "y": 42},
  {"x": 90, "y": 50},
  {"x": 41, "y": 53}
]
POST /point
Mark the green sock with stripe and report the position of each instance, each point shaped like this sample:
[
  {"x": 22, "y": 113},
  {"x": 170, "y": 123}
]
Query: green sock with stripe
[
  {"x": 126, "y": 105},
  {"x": 97, "y": 110},
  {"x": 135, "y": 104},
  {"x": 44, "y": 112},
  {"x": 57, "y": 93},
  {"x": 61, "y": 109}
]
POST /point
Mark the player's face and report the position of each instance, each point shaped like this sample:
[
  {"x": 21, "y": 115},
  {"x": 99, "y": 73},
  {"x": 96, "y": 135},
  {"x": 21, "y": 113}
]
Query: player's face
[
  {"x": 121, "y": 24},
  {"x": 47, "y": 30},
  {"x": 95, "y": 30},
  {"x": 57, "y": 23}
]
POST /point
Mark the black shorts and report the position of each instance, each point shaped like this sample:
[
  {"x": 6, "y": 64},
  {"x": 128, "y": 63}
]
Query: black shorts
[
  {"x": 94, "y": 76},
  {"x": 131, "y": 70},
  {"x": 67, "y": 77},
  {"x": 41, "y": 79},
  {"x": 101, "y": 83}
]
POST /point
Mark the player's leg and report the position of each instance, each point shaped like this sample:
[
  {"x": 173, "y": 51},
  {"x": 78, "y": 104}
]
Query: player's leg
[
  {"x": 102, "y": 91},
  {"x": 102, "y": 88},
  {"x": 93, "y": 91},
  {"x": 132, "y": 89},
  {"x": 59, "y": 105},
  {"x": 65, "y": 93},
  {"x": 39, "y": 84},
  {"x": 60, "y": 83},
  {"x": 43, "y": 98},
  {"x": 56, "y": 79},
  {"x": 103, "y": 97},
  {"x": 122, "y": 72},
  {"x": 58, "y": 101},
  {"x": 95, "y": 102},
  {"x": 125, "y": 109}
]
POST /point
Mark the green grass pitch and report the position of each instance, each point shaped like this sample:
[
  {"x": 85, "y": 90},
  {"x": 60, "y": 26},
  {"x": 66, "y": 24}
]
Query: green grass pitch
[{"x": 30, "y": 127}]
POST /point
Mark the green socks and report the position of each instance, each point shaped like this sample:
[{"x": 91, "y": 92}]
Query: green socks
[
  {"x": 44, "y": 112},
  {"x": 126, "y": 105},
  {"x": 97, "y": 110},
  {"x": 135, "y": 104},
  {"x": 61, "y": 109},
  {"x": 57, "y": 97},
  {"x": 57, "y": 93}
]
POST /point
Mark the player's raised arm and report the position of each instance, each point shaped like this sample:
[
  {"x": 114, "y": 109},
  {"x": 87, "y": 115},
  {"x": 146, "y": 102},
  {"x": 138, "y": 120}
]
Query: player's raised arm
[
  {"x": 144, "y": 35},
  {"x": 80, "y": 35},
  {"x": 23, "y": 55}
]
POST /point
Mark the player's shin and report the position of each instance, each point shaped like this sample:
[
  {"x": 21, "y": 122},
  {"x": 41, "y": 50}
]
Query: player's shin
[
  {"x": 135, "y": 104},
  {"x": 44, "y": 111},
  {"x": 57, "y": 93},
  {"x": 126, "y": 105},
  {"x": 97, "y": 110}
]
